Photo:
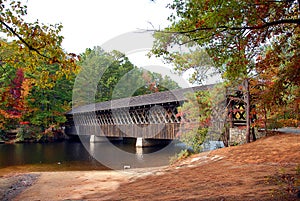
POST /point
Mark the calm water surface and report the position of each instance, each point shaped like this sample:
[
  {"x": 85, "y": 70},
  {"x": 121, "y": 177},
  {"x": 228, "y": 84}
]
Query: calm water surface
[{"x": 68, "y": 155}]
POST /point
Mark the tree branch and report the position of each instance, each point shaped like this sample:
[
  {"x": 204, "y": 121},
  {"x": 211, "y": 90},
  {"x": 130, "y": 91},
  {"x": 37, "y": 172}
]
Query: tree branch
[
  {"x": 267, "y": 24},
  {"x": 22, "y": 40}
]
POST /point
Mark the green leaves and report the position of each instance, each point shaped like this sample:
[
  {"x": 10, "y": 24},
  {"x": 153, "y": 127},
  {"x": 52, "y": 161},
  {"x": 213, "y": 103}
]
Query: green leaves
[
  {"x": 232, "y": 32},
  {"x": 35, "y": 48},
  {"x": 110, "y": 75},
  {"x": 33, "y": 44},
  {"x": 252, "y": 39},
  {"x": 195, "y": 119}
]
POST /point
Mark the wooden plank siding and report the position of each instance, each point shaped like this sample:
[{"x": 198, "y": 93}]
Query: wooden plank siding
[
  {"x": 151, "y": 116},
  {"x": 147, "y": 131}
]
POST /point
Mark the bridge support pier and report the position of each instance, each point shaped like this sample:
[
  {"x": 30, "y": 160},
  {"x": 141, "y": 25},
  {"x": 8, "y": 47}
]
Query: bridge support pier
[{"x": 95, "y": 138}]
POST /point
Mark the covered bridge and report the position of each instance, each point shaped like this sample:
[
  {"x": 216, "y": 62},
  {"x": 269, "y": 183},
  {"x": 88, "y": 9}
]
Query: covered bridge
[{"x": 150, "y": 116}]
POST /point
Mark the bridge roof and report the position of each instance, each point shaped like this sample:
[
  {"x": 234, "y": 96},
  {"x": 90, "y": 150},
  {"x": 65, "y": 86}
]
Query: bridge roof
[{"x": 172, "y": 96}]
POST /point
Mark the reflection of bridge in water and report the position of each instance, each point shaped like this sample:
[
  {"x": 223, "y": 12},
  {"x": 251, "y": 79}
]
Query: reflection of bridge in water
[{"x": 146, "y": 117}]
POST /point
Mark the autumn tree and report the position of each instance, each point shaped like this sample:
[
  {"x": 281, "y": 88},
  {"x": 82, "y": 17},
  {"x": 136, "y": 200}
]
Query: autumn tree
[
  {"x": 276, "y": 91},
  {"x": 24, "y": 102},
  {"x": 32, "y": 45},
  {"x": 234, "y": 34},
  {"x": 48, "y": 105},
  {"x": 32, "y": 60},
  {"x": 10, "y": 96},
  {"x": 195, "y": 119}
]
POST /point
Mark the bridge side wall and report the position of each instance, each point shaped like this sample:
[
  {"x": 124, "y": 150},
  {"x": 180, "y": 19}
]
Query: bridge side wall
[{"x": 146, "y": 131}]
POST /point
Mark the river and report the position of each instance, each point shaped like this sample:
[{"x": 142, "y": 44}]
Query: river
[{"x": 68, "y": 155}]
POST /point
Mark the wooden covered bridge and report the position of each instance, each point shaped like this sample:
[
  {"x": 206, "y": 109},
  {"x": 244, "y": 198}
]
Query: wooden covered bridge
[{"x": 151, "y": 116}]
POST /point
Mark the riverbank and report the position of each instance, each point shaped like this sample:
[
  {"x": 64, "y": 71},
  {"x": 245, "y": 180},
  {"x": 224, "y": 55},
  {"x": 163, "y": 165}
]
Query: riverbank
[
  {"x": 67, "y": 185},
  {"x": 268, "y": 169}
]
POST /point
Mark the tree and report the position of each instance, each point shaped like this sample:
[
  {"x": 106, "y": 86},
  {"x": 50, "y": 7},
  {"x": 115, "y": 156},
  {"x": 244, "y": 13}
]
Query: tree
[
  {"x": 10, "y": 95},
  {"x": 277, "y": 89},
  {"x": 100, "y": 72},
  {"x": 33, "y": 45},
  {"x": 195, "y": 119},
  {"x": 110, "y": 75},
  {"x": 202, "y": 117},
  {"x": 234, "y": 35},
  {"x": 34, "y": 66},
  {"x": 232, "y": 32},
  {"x": 39, "y": 99},
  {"x": 48, "y": 105}
]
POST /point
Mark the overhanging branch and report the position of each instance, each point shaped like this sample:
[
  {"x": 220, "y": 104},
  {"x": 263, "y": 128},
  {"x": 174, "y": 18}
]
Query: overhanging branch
[
  {"x": 267, "y": 24},
  {"x": 22, "y": 40}
]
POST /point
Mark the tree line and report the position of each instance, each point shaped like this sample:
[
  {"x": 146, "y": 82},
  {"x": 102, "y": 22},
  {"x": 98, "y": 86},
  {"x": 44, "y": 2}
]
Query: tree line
[
  {"x": 37, "y": 75},
  {"x": 253, "y": 41}
]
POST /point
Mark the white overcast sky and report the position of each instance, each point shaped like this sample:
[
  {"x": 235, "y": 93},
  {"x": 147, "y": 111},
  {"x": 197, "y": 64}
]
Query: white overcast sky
[{"x": 92, "y": 23}]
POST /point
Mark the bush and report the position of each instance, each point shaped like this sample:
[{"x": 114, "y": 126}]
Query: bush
[
  {"x": 28, "y": 133},
  {"x": 2, "y": 135},
  {"x": 194, "y": 138}
]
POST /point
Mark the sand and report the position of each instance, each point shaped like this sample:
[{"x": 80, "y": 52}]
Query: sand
[{"x": 262, "y": 170}]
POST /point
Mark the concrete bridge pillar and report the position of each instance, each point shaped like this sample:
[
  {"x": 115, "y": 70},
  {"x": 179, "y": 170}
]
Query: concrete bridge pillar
[
  {"x": 95, "y": 138},
  {"x": 141, "y": 142},
  {"x": 140, "y": 153}
]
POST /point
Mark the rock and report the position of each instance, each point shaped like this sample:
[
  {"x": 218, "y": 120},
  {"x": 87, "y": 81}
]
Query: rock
[{"x": 14, "y": 185}]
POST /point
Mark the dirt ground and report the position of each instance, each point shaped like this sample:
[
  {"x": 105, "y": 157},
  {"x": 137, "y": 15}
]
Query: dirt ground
[{"x": 268, "y": 169}]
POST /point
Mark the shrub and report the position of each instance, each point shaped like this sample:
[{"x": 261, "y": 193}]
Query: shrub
[
  {"x": 28, "y": 133},
  {"x": 194, "y": 138}
]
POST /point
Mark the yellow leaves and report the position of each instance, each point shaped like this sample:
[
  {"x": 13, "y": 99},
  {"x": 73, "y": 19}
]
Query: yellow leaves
[
  {"x": 16, "y": 55},
  {"x": 8, "y": 115},
  {"x": 36, "y": 49},
  {"x": 26, "y": 85},
  {"x": 44, "y": 81},
  {"x": 289, "y": 122},
  {"x": 34, "y": 45}
]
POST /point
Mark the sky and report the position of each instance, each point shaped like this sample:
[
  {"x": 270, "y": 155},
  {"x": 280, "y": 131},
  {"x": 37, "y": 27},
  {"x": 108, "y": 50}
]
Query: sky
[{"x": 92, "y": 23}]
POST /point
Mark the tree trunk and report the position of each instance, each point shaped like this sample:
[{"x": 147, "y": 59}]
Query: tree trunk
[
  {"x": 253, "y": 134},
  {"x": 226, "y": 136},
  {"x": 265, "y": 120},
  {"x": 247, "y": 101}
]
